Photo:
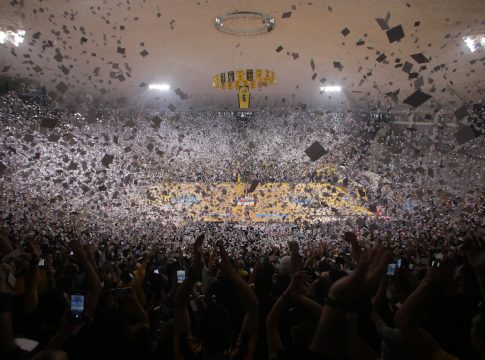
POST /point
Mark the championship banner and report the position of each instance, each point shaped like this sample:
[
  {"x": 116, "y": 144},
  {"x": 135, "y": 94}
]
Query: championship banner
[
  {"x": 259, "y": 77},
  {"x": 230, "y": 79},
  {"x": 246, "y": 77},
  {"x": 271, "y": 78},
  {"x": 266, "y": 78},
  {"x": 244, "y": 97},
  {"x": 239, "y": 75},
  {"x": 239, "y": 79},
  {"x": 223, "y": 80},
  {"x": 250, "y": 78}
]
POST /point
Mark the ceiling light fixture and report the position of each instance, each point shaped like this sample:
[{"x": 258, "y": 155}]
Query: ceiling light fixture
[
  {"x": 335, "y": 88},
  {"x": 474, "y": 42},
  {"x": 161, "y": 87},
  {"x": 244, "y": 23},
  {"x": 14, "y": 37}
]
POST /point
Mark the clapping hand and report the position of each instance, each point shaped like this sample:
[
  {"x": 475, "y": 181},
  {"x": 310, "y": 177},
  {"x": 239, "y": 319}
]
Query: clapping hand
[
  {"x": 364, "y": 279},
  {"x": 298, "y": 284},
  {"x": 475, "y": 250},
  {"x": 197, "y": 264}
]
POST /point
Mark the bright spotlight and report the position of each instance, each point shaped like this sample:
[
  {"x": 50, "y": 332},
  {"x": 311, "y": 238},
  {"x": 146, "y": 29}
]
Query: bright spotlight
[
  {"x": 161, "y": 87},
  {"x": 335, "y": 88},
  {"x": 470, "y": 43},
  {"x": 474, "y": 42},
  {"x": 14, "y": 37}
]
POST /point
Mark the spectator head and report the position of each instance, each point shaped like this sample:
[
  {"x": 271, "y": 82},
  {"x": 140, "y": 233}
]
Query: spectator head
[
  {"x": 215, "y": 329},
  {"x": 263, "y": 278},
  {"x": 283, "y": 266},
  {"x": 319, "y": 289}
]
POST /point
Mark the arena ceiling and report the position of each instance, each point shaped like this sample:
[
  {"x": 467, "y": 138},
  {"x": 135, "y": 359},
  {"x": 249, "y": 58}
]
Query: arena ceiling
[{"x": 110, "y": 50}]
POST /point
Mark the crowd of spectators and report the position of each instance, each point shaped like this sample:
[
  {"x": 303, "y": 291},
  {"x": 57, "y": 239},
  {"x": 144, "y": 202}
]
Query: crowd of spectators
[
  {"x": 102, "y": 162},
  {"x": 370, "y": 294},
  {"x": 88, "y": 271}
]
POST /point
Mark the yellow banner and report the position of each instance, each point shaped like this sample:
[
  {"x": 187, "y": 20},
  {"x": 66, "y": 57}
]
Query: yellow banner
[
  {"x": 230, "y": 79},
  {"x": 239, "y": 75},
  {"x": 247, "y": 77},
  {"x": 259, "y": 77},
  {"x": 271, "y": 78},
  {"x": 266, "y": 78},
  {"x": 223, "y": 80},
  {"x": 244, "y": 96}
]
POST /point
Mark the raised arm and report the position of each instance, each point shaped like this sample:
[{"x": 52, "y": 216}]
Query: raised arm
[
  {"x": 93, "y": 284},
  {"x": 182, "y": 319},
  {"x": 5, "y": 245},
  {"x": 293, "y": 292},
  {"x": 131, "y": 307},
  {"x": 332, "y": 337},
  {"x": 356, "y": 251},
  {"x": 475, "y": 251},
  {"x": 7, "y": 343},
  {"x": 49, "y": 272},
  {"x": 409, "y": 315},
  {"x": 31, "y": 280},
  {"x": 295, "y": 262},
  {"x": 247, "y": 296}
]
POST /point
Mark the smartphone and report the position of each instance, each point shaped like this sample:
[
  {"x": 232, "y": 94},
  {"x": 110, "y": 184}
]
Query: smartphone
[
  {"x": 41, "y": 262},
  {"x": 77, "y": 307},
  {"x": 180, "y": 276},
  {"x": 398, "y": 263},
  {"x": 119, "y": 292},
  {"x": 391, "y": 269}
]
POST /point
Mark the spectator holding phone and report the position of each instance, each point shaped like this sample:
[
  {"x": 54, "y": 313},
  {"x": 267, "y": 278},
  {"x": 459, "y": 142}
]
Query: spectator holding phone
[
  {"x": 438, "y": 278},
  {"x": 214, "y": 326},
  {"x": 81, "y": 313}
]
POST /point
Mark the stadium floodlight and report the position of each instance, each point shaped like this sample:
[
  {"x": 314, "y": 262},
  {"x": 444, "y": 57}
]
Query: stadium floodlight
[
  {"x": 334, "y": 88},
  {"x": 14, "y": 37},
  {"x": 474, "y": 42},
  {"x": 161, "y": 87}
]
